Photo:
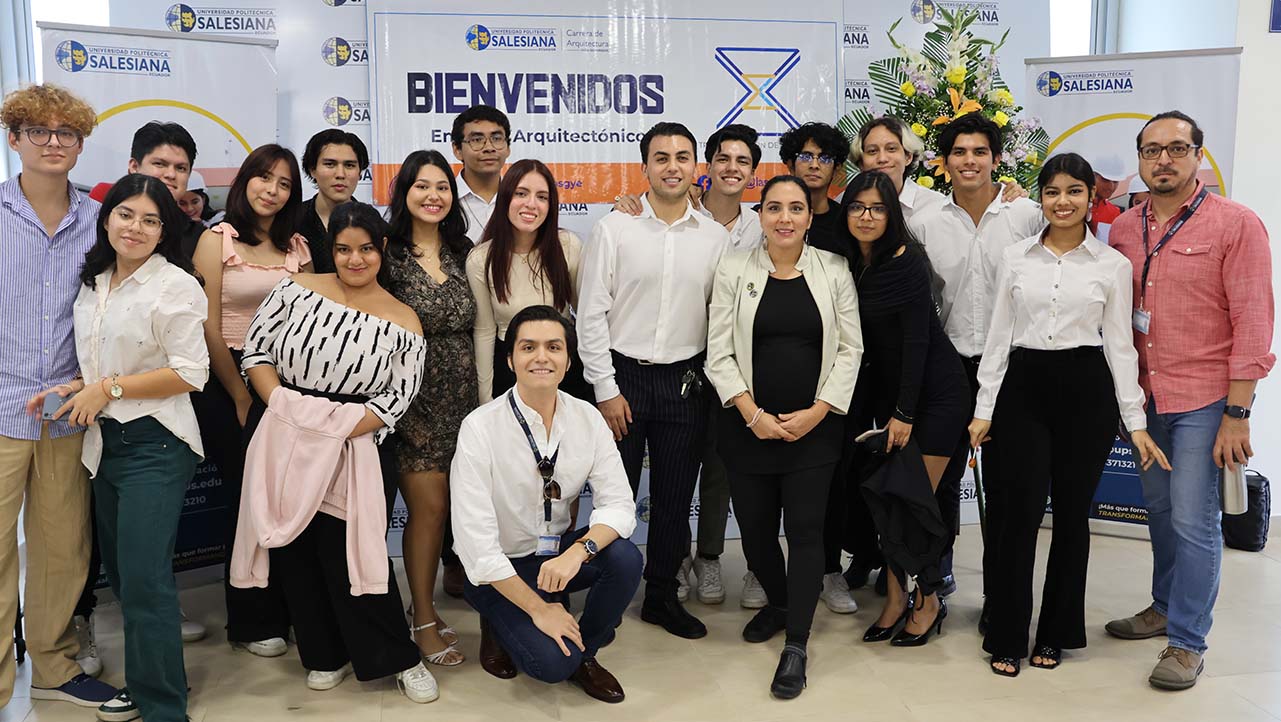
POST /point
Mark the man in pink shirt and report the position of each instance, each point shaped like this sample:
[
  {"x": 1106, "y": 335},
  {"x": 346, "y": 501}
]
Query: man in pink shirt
[{"x": 1203, "y": 324}]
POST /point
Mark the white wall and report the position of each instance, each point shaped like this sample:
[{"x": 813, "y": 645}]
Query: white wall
[
  {"x": 1255, "y": 184},
  {"x": 1156, "y": 25}
]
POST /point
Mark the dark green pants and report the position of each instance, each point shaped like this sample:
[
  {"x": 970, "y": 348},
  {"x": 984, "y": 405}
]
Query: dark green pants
[{"x": 138, "y": 497}]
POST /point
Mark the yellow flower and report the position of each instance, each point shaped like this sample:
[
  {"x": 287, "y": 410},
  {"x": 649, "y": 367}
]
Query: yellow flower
[
  {"x": 1001, "y": 119},
  {"x": 908, "y": 89},
  {"x": 919, "y": 130},
  {"x": 1033, "y": 157},
  {"x": 956, "y": 76},
  {"x": 1006, "y": 179},
  {"x": 925, "y": 181},
  {"x": 1003, "y": 97}
]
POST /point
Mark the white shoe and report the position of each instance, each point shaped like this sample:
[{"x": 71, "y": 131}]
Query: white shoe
[
  {"x": 682, "y": 580},
  {"x": 708, "y": 574},
  {"x": 191, "y": 631},
  {"x": 87, "y": 657},
  {"x": 321, "y": 681},
  {"x": 836, "y": 594},
  {"x": 753, "y": 593},
  {"x": 273, "y": 647},
  {"x": 418, "y": 684}
]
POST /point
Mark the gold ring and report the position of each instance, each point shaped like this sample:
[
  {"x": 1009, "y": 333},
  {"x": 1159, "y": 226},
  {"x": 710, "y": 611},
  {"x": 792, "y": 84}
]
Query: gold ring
[{"x": 618, "y": 198}]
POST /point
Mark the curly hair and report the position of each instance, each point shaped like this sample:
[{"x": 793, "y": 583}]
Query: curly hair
[
  {"x": 829, "y": 140},
  {"x": 40, "y": 104}
]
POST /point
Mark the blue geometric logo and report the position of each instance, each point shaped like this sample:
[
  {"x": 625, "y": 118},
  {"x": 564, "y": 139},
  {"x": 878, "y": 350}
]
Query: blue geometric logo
[
  {"x": 71, "y": 56},
  {"x": 180, "y": 18},
  {"x": 1049, "y": 83},
  {"x": 478, "y": 37},
  {"x": 759, "y": 81}
]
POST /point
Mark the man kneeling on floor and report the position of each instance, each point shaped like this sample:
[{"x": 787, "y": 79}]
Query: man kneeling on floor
[{"x": 522, "y": 459}]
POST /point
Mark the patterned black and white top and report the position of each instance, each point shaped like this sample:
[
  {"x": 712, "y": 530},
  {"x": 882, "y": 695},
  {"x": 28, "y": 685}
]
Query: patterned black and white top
[{"x": 317, "y": 343}]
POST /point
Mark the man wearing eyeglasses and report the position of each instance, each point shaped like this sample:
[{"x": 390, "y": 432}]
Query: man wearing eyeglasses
[
  {"x": 480, "y": 136},
  {"x": 813, "y": 152},
  {"x": 46, "y": 228},
  {"x": 522, "y": 460},
  {"x": 1203, "y": 323}
]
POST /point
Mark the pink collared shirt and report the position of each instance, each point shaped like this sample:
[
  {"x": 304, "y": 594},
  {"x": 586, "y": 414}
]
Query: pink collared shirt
[{"x": 1209, "y": 292}]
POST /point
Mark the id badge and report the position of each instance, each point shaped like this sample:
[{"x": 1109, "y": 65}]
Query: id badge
[
  {"x": 1142, "y": 321},
  {"x": 548, "y": 545}
]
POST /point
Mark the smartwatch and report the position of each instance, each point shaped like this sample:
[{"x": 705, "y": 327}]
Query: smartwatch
[
  {"x": 590, "y": 547},
  {"x": 1237, "y": 412}
]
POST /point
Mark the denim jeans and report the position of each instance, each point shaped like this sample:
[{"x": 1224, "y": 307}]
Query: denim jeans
[
  {"x": 1184, "y": 522},
  {"x": 612, "y": 576}
]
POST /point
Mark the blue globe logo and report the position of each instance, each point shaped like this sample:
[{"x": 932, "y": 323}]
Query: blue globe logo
[
  {"x": 71, "y": 56},
  {"x": 336, "y": 3},
  {"x": 337, "y": 111},
  {"x": 180, "y": 18},
  {"x": 923, "y": 11},
  {"x": 336, "y": 51},
  {"x": 478, "y": 37},
  {"x": 1049, "y": 83},
  {"x": 642, "y": 509}
]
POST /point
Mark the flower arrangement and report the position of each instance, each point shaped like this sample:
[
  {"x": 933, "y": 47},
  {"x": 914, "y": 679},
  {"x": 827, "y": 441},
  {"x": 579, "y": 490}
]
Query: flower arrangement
[{"x": 953, "y": 73}]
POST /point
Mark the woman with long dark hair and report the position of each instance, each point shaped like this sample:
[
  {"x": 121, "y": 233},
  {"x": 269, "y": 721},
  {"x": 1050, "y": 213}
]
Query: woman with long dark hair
[
  {"x": 241, "y": 260},
  {"x": 524, "y": 259},
  {"x": 140, "y": 341},
  {"x": 913, "y": 384},
  {"x": 426, "y": 255}
]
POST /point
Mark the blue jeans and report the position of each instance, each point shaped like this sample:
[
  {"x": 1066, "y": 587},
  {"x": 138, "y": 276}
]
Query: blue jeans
[
  {"x": 1184, "y": 522},
  {"x": 612, "y": 576}
]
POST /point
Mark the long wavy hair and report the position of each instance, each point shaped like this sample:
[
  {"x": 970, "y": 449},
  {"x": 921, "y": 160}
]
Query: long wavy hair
[
  {"x": 453, "y": 229},
  {"x": 241, "y": 215},
  {"x": 502, "y": 237},
  {"x": 102, "y": 256}
]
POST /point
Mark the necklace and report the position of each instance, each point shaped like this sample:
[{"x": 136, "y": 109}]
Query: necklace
[{"x": 730, "y": 222}]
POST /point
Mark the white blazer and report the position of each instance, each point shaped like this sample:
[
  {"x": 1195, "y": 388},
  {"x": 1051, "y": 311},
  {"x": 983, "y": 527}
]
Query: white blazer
[{"x": 736, "y": 294}]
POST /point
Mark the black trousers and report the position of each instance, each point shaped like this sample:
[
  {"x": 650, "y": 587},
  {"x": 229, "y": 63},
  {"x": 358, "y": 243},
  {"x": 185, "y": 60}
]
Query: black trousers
[
  {"x": 949, "y": 489},
  {"x": 837, "y": 516},
  {"x": 1058, "y": 416},
  {"x": 801, "y": 497},
  {"x": 673, "y": 428}
]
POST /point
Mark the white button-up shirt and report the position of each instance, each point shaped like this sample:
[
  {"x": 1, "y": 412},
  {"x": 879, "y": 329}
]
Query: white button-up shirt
[
  {"x": 153, "y": 320},
  {"x": 966, "y": 256},
  {"x": 496, "y": 492},
  {"x": 643, "y": 290},
  {"x": 916, "y": 198},
  {"x": 746, "y": 233},
  {"x": 1052, "y": 303},
  {"x": 476, "y": 209}
]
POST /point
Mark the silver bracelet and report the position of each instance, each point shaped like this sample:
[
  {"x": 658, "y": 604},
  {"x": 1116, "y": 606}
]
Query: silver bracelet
[{"x": 755, "y": 417}]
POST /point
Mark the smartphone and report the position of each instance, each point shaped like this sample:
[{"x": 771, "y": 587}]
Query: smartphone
[{"x": 52, "y": 403}]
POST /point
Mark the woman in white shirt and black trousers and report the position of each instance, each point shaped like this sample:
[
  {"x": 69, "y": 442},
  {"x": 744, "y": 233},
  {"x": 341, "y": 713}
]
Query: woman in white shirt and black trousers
[
  {"x": 139, "y": 322},
  {"x": 1058, "y": 371}
]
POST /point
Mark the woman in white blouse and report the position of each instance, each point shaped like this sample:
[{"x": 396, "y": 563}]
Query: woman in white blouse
[
  {"x": 524, "y": 259},
  {"x": 139, "y": 323},
  {"x": 1058, "y": 371}
]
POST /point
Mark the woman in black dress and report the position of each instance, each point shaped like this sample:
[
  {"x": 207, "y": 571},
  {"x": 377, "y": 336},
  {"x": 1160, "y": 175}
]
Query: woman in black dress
[
  {"x": 915, "y": 384},
  {"x": 783, "y": 350}
]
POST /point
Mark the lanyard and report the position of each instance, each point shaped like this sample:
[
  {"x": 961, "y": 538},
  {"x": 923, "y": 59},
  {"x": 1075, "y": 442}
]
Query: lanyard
[
  {"x": 546, "y": 466},
  {"x": 1148, "y": 254}
]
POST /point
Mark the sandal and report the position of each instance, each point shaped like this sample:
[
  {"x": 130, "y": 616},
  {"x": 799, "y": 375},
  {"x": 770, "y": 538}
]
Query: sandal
[
  {"x": 1051, "y": 657},
  {"x": 448, "y": 634},
  {"x": 442, "y": 657},
  {"x": 1011, "y": 661}
]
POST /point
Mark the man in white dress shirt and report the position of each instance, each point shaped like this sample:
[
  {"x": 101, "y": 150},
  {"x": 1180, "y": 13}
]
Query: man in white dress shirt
[
  {"x": 480, "y": 137},
  {"x": 522, "y": 460},
  {"x": 645, "y": 282},
  {"x": 965, "y": 238}
]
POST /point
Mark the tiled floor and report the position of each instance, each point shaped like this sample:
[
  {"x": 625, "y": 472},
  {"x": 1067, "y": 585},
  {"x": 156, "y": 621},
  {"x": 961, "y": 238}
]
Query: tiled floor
[{"x": 723, "y": 678}]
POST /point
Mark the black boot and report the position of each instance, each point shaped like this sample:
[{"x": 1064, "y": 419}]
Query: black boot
[{"x": 789, "y": 678}]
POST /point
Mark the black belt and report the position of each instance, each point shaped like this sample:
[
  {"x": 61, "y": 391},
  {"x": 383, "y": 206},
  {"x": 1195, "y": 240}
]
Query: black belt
[
  {"x": 335, "y": 397},
  {"x": 1036, "y": 353},
  {"x": 696, "y": 359}
]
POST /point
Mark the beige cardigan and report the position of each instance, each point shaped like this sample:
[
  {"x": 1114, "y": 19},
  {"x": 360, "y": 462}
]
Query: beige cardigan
[{"x": 736, "y": 294}]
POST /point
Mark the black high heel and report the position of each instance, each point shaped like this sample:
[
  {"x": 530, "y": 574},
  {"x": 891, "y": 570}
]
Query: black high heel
[
  {"x": 907, "y": 639},
  {"x": 876, "y": 633}
]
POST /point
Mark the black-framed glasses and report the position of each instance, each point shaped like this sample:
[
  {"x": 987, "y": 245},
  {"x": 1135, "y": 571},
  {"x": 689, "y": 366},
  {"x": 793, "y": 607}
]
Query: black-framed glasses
[
  {"x": 1152, "y": 151},
  {"x": 476, "y": 141},
  {"x": 149, "y": 224},
  {"x": 808, "y": 157},
  {"x": 878, "y": 211},
  {"x": 41, "y": 136}
]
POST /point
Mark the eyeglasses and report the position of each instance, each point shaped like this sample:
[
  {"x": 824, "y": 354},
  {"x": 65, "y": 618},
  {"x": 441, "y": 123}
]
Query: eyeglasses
[
  {"x": 808, "y": 157},
  {"x": 496, "y": 139},
  {"x": 876, "y": 210},
  {"x": 41, "y": 136},
  {"x": 1153, "y": 151},
  {"x": 551, "y": 487},
  {"x": 150, "y": 224}
]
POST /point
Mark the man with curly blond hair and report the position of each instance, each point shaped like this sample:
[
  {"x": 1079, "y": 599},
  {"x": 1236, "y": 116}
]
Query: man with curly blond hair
[{"x": 46, "y": 227}]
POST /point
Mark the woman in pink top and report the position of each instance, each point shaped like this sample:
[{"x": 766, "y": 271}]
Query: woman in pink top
[{"x": 241, "y": 260}]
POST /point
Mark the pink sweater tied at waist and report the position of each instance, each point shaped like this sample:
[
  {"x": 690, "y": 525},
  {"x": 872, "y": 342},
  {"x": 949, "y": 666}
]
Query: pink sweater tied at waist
[{"x": 301, "y": 462}]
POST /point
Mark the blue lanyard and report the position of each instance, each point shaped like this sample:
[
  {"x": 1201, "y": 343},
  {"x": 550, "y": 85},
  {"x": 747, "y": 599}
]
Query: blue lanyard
[
  {"x": 546, "y": 466},
  {"x": 1148, "y": 254}
]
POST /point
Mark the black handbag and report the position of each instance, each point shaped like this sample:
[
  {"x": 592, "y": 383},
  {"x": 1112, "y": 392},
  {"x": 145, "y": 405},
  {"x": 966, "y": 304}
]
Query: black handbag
[{"x": 1249, "y": 531}]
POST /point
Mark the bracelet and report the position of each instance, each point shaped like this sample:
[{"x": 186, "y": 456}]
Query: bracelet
[
  {"x": 755, "y": 417},
  {"x": 102, "y": 386},
  {"x": 898, "y": 414}
]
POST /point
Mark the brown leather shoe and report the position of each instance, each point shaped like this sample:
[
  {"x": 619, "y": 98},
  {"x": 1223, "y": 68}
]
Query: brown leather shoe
[
  {"x": 597, "y": 682},
  {"x": 493, "y": 658},
  {"x": 453, "y": 580}
]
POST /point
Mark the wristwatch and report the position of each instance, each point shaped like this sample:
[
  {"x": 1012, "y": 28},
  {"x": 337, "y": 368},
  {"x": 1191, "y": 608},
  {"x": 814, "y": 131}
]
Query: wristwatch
[
  {"x": 590, "y": 547},
  {"x": 116, "y": 391},
  {"x": 1237, "y": 412}
]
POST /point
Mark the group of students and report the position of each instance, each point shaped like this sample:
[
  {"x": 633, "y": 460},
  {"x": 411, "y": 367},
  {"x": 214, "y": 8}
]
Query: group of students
[{"x": 469, "y": 353}]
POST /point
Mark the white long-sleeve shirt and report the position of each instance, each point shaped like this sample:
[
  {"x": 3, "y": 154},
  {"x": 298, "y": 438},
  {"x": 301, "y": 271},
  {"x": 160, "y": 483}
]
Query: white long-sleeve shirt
[{"x": 496, "y": 492}]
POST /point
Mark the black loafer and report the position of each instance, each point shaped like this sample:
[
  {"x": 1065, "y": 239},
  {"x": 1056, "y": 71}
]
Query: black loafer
[
  {"x": 768, "y": 622},
  {"x": 789, "y": 678},
  {"x": 670, "y": 615}
]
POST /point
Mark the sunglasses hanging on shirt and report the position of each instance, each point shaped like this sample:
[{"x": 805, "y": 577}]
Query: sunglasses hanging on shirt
[{"x": 548, "y": 542}]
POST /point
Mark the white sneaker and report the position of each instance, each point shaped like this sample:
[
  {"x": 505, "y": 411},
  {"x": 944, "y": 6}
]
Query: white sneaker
[
  {"x": 321, "y": 681},
  {"x": 87, "y": 657},
  {"x": 418, "y": 684},
  {"x": 273, "y": 647},
  {"x": 191, "y": 631},
  {"x": 753, "y": 593},
  {"x": 708, "y": 574},
  {"x": 682, "y": 580},
  {"x": 836, "y": 594}
]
